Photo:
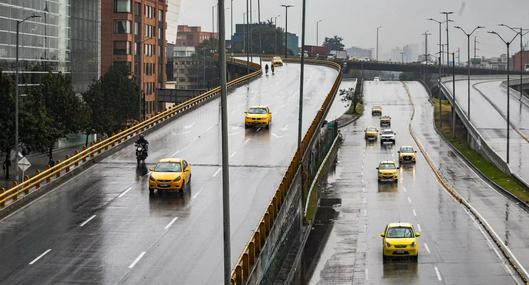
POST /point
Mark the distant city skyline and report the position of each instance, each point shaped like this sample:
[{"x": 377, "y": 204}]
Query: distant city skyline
[{"x": 356, "y": 21}]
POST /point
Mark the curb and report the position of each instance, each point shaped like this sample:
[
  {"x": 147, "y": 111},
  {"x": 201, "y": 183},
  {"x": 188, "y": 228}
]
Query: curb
[{"x": 513, "y": 261}]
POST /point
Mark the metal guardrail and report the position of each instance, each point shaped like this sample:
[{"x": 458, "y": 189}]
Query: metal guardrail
[
  {"x": 248, "y": 258},
  {"x": 13, "y": 194}
]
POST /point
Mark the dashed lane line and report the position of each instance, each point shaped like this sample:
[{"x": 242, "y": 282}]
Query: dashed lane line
[
  {"x": 137, "y": 260},
  {"x": 124, "y": 192},
  {"x": 427, "y": 248},
  {"x": 171, "y": 223},
  {"x": 217, "y": 172},
  {"x": 414, "y": 213},
  {"x": 40, "y": 256},
  {"x": 438, "y": 273},
  {"x": 87, "y": 221},
  {"x": 419, "y": 227}
]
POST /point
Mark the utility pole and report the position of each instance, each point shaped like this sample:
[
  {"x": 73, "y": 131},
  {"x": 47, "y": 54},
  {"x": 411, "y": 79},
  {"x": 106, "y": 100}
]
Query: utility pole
[
  {"x": 426, "y": 34},
  {"x": 402, "y": 57},
  {"x": 440, "y": 65},
  {"x": 302, "y": 75},
  {"x": 520, "y": 32},
  {"x": 231, "y": 23},
  {"x": 454, "y": 94},
  {"x": 458, "y": 56},
  {"x": 507, "y": 43},
  {"x": 213, "y": 18},
  {"x": 247, "y": 38},
  {"x": 286, "y": 27},
  {"x": 468, "y": 64},
  {"x": 225, "y": 158},
  {"x": 275, "y": 34},
  {"x": 378, "y": 29},
  {"x": 447, "y": 36}
]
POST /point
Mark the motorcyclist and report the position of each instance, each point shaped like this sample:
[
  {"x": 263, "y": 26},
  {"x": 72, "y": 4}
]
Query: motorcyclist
[
  {"x": 272, "y": 68},
  {"x": 143, "y": 142},
  {"x": 266, "y": 68}
]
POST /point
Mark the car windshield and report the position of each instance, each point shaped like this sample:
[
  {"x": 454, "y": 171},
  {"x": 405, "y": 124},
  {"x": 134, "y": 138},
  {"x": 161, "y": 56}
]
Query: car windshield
[
  {"x": 406, "y": 149},
  {"x": 376, "y": 107},
  {"x": 385, "y": 118},
  {"x": 387, "y": 166},
  {"x": 371, "y": 129},
  {"x": 168, "y": 167},
  {"x": 400, "y": 232},
  {"x": 387, "y": 132},
  {"x": 257, "y": 111}
]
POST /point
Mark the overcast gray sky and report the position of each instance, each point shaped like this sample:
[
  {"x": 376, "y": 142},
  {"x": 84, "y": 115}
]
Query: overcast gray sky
[{"x": 402, "y": 21}]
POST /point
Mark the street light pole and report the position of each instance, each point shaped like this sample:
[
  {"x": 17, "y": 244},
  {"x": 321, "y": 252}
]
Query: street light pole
[
  {"x": 318, "y": 32},
  {"x": 378, "y": 28},
  {"x": 302, "y": 75},
  {"x": 468, "y": 64},
  {"x": 17, "y": 67},
  {"x": 402, "y": 57},
  {"x": 225, "y": 158},
  {"x": 286, "y": 27},
  {"x": 440, "y": 65},
  {"x": 507, "y": 43},
  {"x": 426, "y": 34},
  {"x": 454, "y": 94},
  {"x": 521, "y": 33},
  {"x": 275, "y": 34},
  {"x": 231, "y": 23},
  {"x": 247, "y": 38}
]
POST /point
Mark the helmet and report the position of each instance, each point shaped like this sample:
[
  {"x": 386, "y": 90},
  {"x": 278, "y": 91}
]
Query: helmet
[{"x": 142, "y": 137}]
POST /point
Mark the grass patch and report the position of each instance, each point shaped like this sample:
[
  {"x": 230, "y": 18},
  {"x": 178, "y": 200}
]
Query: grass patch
[
  {"x": 359, "y": 110},
  {"x": 488, "y": 169}
]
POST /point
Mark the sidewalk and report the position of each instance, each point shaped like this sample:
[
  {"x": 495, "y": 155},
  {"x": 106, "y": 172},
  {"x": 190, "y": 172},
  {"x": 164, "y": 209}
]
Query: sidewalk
[{"x": 38, "y": 161}]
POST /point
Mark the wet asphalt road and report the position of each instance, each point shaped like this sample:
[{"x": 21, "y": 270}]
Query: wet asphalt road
[
  {"x": 102, "y": 227},
  {"x": 488, "y": 112},
  {"x": 453, "y": 248}
]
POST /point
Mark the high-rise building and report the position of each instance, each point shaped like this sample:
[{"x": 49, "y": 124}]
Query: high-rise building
[
  {"x": 62, "y": 37},
  {"x": 133, "y": 33},
  {"x": 191, "y": 36}
]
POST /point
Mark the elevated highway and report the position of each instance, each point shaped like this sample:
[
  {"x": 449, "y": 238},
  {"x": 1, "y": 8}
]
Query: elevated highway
[{"x": 103, "y": 227}]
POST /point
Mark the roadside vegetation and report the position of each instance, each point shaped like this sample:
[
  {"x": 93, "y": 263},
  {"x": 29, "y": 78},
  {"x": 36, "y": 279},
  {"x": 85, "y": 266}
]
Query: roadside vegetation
[{"x": 488, "y": 169}]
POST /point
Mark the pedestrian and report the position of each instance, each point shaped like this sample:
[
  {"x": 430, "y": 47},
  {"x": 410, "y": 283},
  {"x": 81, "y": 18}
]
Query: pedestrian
[
  {"x": 5, "y": 166},
  {"x": 51, "y": 162}
]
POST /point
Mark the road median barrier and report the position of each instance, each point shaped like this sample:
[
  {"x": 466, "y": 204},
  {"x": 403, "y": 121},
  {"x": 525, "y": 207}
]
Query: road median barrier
[
  {"x": 35, "y": 183},
  {"x": 505, "y": 250}
]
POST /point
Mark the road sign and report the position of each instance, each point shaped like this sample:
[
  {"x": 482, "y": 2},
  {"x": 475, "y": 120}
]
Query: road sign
[{"x": 24, "y": 164}]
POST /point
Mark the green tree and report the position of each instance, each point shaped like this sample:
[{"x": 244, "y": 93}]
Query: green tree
[
  {"x": 334, "y": 43},
  {"x": 113, "y": 101},
  {"x": 62, "y": 106},
  {"x": 7, "y": 122}
]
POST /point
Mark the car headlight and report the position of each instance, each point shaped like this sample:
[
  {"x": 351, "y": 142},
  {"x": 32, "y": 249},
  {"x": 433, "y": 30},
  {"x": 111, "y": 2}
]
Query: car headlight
[
  {"x": 388, "y": 245},
  {"x": 151, "y": 178},
  {"x": 177, "y": 178}
]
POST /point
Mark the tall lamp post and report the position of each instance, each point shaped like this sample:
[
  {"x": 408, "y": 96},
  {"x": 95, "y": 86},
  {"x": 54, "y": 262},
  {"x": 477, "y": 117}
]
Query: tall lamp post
[
  {"x": 439, "y": 71},
  {"x": 275, "y": 34},
  {"x": 17, "y": 67},
  {"x": 508, "y": 44},
  {"x": 468, "y": 64},
  {"x": 378, "y": 29},
  {"x": 520, "y": 32},
  {"x": 286, "y": 27},
  {"x": 318, "y": 32},
  {"x": 302, "y": 75},
  {"x": 446, "y": 13}
]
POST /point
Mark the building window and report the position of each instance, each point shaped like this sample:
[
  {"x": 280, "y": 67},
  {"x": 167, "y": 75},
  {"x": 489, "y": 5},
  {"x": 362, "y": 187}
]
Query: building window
[
  {"x": 122, "y": 6},
  {"x": 121, "y": 48},
  {"x": 122, "y": 27},
  {"x": 136, "y": 28},
  {"x": 149, "y": 31},
  {"x": 149, "y": 50},
  {"x": 160, "y": 15},
  {"x": 150, "y": 12},
  {"x": 137, "y": 9}
]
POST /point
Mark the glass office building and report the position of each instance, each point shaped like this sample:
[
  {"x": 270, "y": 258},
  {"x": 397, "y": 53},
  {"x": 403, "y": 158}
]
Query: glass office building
[{"x": 64, "y": 37}]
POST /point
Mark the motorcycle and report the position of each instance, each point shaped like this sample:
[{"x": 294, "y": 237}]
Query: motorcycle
[{"x": 141, "y": 152}]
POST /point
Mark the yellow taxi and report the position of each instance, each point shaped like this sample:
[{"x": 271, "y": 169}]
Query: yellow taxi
[
  {"x": 407, "y": 154},
  {"x": 257, "y": 116},
  {"x": 170, "y": 174},
  {"x": 277, "y": 61},
  {"x": 388, "y": 171},
  {"x": 376, "y": 111},
  {"x": 385, "y": 121},
  {"x": 371, "y": 133},
  {"x": 400, "y": 239}
]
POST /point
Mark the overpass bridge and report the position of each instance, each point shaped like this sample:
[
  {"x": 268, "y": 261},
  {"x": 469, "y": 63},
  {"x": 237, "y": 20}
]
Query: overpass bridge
[{"x": 100, "y": 225}]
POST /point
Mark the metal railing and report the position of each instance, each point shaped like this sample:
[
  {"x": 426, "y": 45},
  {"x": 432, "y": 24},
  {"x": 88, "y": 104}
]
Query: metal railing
[
  {"x": 250, "y": 254},
  {"x": 11, "y": 195}
]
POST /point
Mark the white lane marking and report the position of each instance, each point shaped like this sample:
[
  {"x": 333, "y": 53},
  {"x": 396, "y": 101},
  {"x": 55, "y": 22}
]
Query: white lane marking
[
  {"x": 365, "y": 228},
  {"x": 404, "y": 189},
  {"x": 87, "y": 221},
  {"x": 414, "y": 213},
  {"x": 284, "y": 128},
  {"x": 176, "y": 152},
  {"x": 367, "y": 274},
  {"x": 189, "y": 126},
  {"x": 409, "y": 200},
  {"x": 365, "y": 213},
  {"x": 438, "y": 273},
  {"x": 246, "y": 141},
  {"x": 40, "y": 256},
  {"x": 276, "y": 136},
  {"x": 196, "y": 195},
  {"x": 233, "y": 154},
  {"x": 217, "y": 172},
  {"x": 186, "y": 132},
  {"x": 137, "y": 260},
  {"x": 364, "y": 200},
  {"x": 419, "y": 227},
  {"x": 427, "y": 248},
  {"x": 124, "y": 192},
  {"x": 363, "y": 189},
  {"x": 171, "y": 223}
]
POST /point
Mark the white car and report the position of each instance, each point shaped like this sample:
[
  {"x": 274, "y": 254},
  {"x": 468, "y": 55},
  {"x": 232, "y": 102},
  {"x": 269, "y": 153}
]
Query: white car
[{"x": 387, "y": 135}]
